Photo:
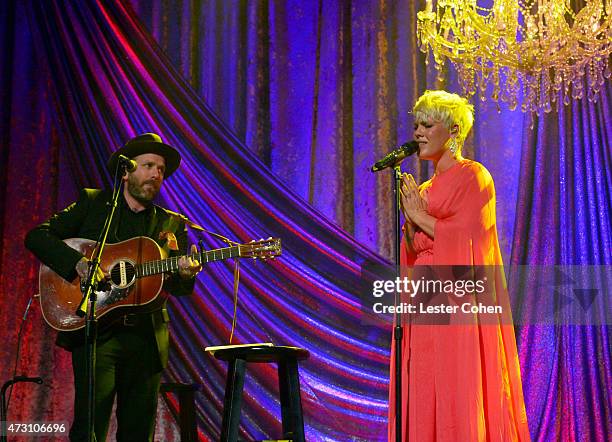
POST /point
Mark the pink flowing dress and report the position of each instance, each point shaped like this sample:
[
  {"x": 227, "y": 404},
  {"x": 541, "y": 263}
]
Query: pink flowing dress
[{"x": 464, "y": 379}]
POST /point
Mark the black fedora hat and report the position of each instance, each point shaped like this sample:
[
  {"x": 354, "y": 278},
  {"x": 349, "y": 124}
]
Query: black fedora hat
[{"x": 148, "y": 143}]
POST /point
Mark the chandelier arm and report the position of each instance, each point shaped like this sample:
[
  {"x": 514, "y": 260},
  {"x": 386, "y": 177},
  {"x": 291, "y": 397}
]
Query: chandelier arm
[{"x": 545, "y": 47}]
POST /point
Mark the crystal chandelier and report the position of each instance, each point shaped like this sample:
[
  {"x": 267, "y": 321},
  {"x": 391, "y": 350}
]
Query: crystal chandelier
[{"x": 544, "y": 46}]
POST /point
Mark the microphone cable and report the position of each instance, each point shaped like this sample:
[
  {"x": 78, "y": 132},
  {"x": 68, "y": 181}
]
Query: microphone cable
[{"x": 19, "y": 336}]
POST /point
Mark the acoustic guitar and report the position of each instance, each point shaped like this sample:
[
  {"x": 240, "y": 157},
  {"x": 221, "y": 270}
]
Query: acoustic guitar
[{"x": 137, "y": 269}]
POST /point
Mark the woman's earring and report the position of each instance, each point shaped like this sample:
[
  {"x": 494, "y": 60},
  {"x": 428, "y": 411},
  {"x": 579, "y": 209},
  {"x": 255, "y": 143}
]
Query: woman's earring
[{"x": 453, "y": 146}]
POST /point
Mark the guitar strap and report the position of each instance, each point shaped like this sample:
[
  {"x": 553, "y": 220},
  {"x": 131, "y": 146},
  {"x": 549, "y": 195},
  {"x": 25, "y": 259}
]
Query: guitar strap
[
  {"x": 153, "y": 222},
  {"x": 168, "y": 231}
]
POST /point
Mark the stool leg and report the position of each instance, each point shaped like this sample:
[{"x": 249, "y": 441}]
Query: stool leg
[
  {"x": 233, "y": 400},
  {"x": 189, "y": 432},
  {"x": 291, "y": 403}
]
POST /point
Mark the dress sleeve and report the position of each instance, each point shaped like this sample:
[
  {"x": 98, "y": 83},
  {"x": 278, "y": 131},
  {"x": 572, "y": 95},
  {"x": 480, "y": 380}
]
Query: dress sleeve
[
  {"x": 45, "y": 240},
  {"x": 467, "y": 236}
]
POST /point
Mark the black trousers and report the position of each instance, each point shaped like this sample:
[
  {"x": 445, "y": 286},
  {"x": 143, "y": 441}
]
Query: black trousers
[{"x": 127, "y": 367}]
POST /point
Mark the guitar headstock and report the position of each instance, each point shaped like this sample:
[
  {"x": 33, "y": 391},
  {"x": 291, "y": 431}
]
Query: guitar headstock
[{"x": 263, "y": 249}]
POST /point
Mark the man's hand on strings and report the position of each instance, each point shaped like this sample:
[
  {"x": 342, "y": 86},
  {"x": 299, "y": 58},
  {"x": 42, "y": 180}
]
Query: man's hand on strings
[{"x": 189, "y": 267}]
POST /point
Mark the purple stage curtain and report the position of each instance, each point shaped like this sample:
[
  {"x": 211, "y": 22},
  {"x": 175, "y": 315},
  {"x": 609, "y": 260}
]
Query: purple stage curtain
[
  {"x": 279, "y": 108},
  {"x": 319, "y": 91},
  {"x": 105, "y": 81},
  {"x": 563, "y": 218}
]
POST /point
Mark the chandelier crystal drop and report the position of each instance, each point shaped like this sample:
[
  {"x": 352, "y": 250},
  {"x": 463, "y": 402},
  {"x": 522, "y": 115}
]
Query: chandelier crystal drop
[{"x": 542, "y": 46}]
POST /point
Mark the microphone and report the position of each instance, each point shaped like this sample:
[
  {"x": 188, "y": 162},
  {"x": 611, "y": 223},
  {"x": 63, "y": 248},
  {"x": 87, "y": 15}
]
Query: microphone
[
  {"x": 129, "y": 164},
  {"x": 396, "y": 155}
]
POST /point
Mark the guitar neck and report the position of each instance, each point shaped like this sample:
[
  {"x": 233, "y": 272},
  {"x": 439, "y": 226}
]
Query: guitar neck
[{"x": 171, "y": 264}]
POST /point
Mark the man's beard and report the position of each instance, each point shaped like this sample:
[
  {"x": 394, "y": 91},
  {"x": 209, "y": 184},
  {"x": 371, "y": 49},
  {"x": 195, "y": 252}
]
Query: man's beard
[{"x": 139, "y": 193}]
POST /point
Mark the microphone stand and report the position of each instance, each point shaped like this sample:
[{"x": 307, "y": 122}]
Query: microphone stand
[
  {"x": 394, "y": 159},
  {"x": 90, "y": 298},
  {"x": 398, "y": 332}
]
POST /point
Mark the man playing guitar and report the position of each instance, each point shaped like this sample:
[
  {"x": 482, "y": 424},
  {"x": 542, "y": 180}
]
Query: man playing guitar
[{"x": 133, "y": 349}]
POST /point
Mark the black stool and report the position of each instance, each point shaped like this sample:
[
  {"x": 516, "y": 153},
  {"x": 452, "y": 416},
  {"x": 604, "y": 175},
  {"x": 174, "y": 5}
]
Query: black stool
[
  {"x": 187, "y": 420},
  {"x": 288, "y": 382}
]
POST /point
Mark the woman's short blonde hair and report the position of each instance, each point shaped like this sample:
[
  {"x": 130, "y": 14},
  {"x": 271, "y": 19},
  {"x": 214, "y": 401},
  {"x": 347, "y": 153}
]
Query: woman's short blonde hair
[{"x": 450, "y": 109}]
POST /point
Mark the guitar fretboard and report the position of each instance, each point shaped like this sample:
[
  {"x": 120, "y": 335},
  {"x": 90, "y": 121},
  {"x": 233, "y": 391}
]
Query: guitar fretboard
[{"x": 171, "y": 264}]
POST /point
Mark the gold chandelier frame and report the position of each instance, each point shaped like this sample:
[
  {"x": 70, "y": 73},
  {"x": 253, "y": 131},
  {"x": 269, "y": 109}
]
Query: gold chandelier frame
[{"x": 544, "y": 46}]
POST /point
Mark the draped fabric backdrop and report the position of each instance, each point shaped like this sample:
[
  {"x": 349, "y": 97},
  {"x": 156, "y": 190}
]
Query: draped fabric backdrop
[{"x": 278, "y": 109}]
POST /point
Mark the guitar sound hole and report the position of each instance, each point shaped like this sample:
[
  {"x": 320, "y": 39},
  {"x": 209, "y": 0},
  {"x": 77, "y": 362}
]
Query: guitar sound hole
[{"x": 122, "y": 274}]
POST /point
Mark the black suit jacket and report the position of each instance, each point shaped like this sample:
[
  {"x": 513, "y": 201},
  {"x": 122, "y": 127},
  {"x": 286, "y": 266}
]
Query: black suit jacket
[{"x": 85, "y": 219}]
